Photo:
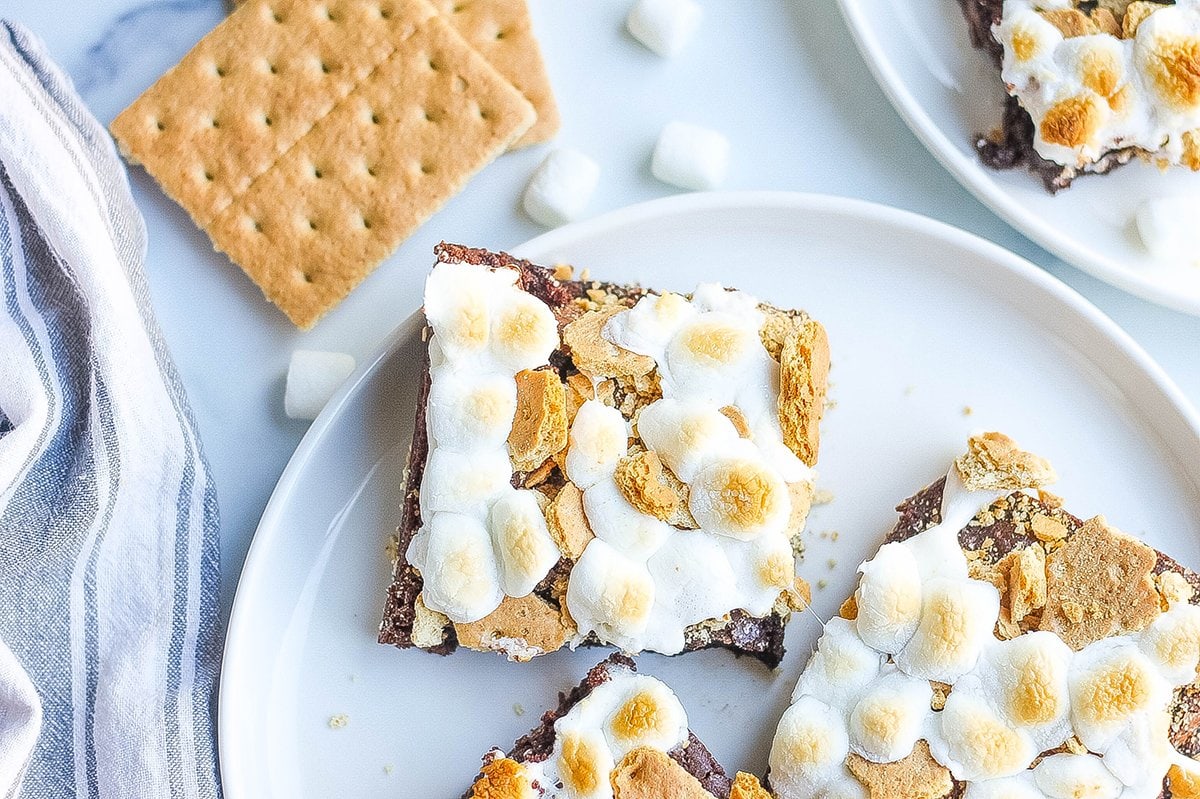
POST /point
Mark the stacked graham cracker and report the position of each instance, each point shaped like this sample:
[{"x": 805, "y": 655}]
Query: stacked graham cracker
[{"x": 309, "y": 138}]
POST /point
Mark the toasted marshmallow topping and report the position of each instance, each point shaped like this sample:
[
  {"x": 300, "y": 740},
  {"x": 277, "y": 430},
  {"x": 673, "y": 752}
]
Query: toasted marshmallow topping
[
  {"x": 1009, "y": 701},
  {"x": 627, "y": 712},
  {"x": 737, "y": 483},
  {"x": 482, "y": 539},
  {"x": 1093, "y": 93}
]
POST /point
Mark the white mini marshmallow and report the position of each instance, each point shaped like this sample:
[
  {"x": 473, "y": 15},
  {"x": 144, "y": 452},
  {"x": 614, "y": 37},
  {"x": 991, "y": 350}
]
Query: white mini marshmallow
[
  {"x": 460, "y": 574},
  {"x": 525, "y": 550},
  {"x": 312, "y": 378},
  {"x": 635, "y": 534},
  {"x": 842, "y": 667},
  {"x": 664, "y": 26},
  {"x": 1170, "y": 228},
  {"x": 561, "y": 187},
  {"x": 811, "y": 743},
  {"x": 1064, "y": 776},
  {"x": 889, "y": 598},
  {"x": 598, "y": 439},
  {"x": 690, "y": 157},
  {"x": 957, "y": 617}
]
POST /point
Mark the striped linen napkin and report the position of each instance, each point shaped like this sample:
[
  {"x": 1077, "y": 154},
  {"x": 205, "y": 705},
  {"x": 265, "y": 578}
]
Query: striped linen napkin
[{"x": 109, "y": 548}]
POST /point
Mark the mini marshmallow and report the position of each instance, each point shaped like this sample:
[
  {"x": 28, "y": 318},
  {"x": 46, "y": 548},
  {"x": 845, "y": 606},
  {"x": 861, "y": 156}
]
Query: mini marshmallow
[
  {"x": 690, "y": 157},
  {"x": 713, "y": 356},
  {"x": 889, "y": 718},
  {"x": 957, "y": 617},
  {"x": 582, "y": 761},
  {"x": 464, "y": 483},
  {"x": 460, "y": 574},
  {"x": 613, "y": 519},
  {"x": 664, "y": 26},
  {"x": 889, "y": 598},
  {"x": 1111, "y": 682},
  {"x": 523, "y": 545},
  {"x": 468, "y": 411},
  {"x": 646, "y": 713},
  {"x": 976, "y": 744},
  {"x": 610, "y": 594},
  {"x": 648, "y": 326},
  {"x": 1170, "y": 228},
  {"x": 841, "y": 667},
  {"x": 312, "y": 378},
  {"x": 693, "y": 578},
  {"x": 598, "y": 439},
  {"x": 524, "y": 332},
  {"x": 1172, "y": 642},
  {"x": 763, "y": 568},
  {"x": 561, "y": 187},
  {"x": 739, "y": 497},
  {"x": 1141, "y": 755},
  {"x": 810, "y": 746},
  {"x": 684, "y": 434},
  {"x": 1066, "y": 776},
  {"x": 1017, "y": 787}
]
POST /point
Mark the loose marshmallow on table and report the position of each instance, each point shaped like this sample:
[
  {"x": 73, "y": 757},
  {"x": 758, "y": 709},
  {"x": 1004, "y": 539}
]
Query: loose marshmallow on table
[
  {"x": 1170, "y": 228},
  {"x": 312, "y": 378},
  {"x": 561, "y": 187},
  {"x": 663, "y": 25},
  {"x": 690, "y": 156}
]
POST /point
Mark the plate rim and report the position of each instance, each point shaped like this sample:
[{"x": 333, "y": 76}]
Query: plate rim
[
  {"x": 232, "y": 756},
  {"x": 972, "y": 177}
]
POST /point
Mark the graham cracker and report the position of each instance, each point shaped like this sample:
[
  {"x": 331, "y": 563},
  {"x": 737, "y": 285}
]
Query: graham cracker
[
  {"x": 311, "y": 203},
  {"x": 502, "y": 32}
]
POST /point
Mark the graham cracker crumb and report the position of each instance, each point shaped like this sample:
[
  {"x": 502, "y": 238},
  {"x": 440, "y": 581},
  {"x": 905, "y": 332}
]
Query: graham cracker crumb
[
  {"x": 1046, "y": 528},
  {"x": 518, "y": 709},
  {"x": 993, "y": 462},
  {"x": 967, "y": 410},
  {"x": 849, "y": 608},
  {"x": 563, "y": 272},
  {"x": 339, "y": 721},
  {"x": 747, "y": 786},
  {"x": 941, "y": 691},
  {"x": 391, "y": 548},
  {"x": 1173, "y": 589},
  {"x": 429, "y": 626},
  {"x": 646, "y": 773},
  {"x": 822, "y": 496},
  {"x": 1025, "y": 573},
  {"x": 1075, "y": 746},
  {"x": 1099, "y": 583},
  {"x": 822, "y": 584},
  {"x": 917, "y": 776}
]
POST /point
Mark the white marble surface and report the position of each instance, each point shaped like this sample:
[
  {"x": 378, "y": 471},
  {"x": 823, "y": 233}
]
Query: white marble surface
[{"x": 781, "y": 78}]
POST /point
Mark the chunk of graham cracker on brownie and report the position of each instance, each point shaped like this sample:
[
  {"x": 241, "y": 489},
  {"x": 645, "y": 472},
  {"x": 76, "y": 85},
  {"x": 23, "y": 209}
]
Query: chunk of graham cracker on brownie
[
  {"x": 310, "y": 140},
  {"x": 993, "y": 462},
  {"x": 803, "y": 383},
  {"x": 540, "y": 426}
]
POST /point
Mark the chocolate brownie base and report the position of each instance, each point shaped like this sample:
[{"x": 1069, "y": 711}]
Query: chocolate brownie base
[
  {"x": 1000, "y": 530},
  {"x": 1011, "y": 144},
  {"x": 743, "y": 634},
  {"x": 695, "y": 758}
]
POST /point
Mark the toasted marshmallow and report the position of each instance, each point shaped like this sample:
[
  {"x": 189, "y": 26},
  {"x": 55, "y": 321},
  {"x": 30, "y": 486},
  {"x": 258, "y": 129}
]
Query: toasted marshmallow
[
  {"x": 1142, "y": 753},
  {"x": 460, "y": 574},
  {"x": 1111, "y": 682},
  {"x": 646, "y": 713},
  {"x": 1017, "y": 787},
  {"x": 467, "y": 412},
  {"x": 715, "y": 297},
  {"x": 1172, "y": 642},
  {"x": 690, "y": 156},
  {"x": 1067, "y": 776},
  {"x": 648, "y": 326},
  {"x": 957, "y": 617},
  {"x": 739, "y": 497},
  {"x": 937, "y": 552},
  {"x": 582, "y": 761},
  {"x": 975, "y": 743},
  {"x": 1025, "y": 679},
  {"x": 610, "y": 594},
  {"x": 664, "y": 26},
  {"x": 889, "y": 598},
  {"x": 561, "y": 187},
  {"x": 1168, "y": 228},
  {"x": 889, "y": 717},
  {"x": 684, "y": 434},
  {"x": 810, "y": 745},
  {"x": 762, "y": 568},
  {"x": 693, "y": 578},
  {"x": 524, "y": 332},
  {"x": 614, "y": 520},
  {"x": 458, "y": 300},
  {"x": 709, "y": 353},
  {"x": 599, "y": 438},
  {"x": 842, "y": 667},
  {"x": 524, "y": 549},
  {"x": 464, "y": 482}
]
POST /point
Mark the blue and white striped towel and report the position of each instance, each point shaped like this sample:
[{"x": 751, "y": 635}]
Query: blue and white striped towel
[{"x": 108, "y": 516}]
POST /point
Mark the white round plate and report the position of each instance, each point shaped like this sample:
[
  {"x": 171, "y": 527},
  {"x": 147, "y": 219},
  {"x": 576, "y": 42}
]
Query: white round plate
[
  {"x": 948, "y": 92},
  {"x": 925, "y": 322}
]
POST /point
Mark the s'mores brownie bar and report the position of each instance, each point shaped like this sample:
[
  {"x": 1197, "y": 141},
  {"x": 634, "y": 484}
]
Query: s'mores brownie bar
[
  {"x": 1092, "y": 84},
  {"x": 620, "y": 735},
  {"x": 600, "y": 464},
  {"x": 998, "y": 646}
]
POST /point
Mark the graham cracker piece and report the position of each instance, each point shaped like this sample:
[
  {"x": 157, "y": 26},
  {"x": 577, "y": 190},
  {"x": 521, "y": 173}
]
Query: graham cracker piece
[
  {"x": 646, "y": 773},
  {"x": 347, "y": 168},
  {"x": 917, "y": 776},
  {"x": 747, "y": 786},
  {"x": 369, "y": 173},
  {"x": 567, "y": 523},
  {"x": 803, "y": 383},
  {"x": 540, "y": 425},
  {"x": 596, "y": 356},
  {"x": 502, "y": 32},
  {"x": 521, "y": 627},
  {"x": 1100, "y": 582},
  {"x": 503, "y": 778},
  {"x": 994, "y": 462},
  {"x": 253, "y": 87},
  {"x": 429, "y": 626},
  {"x": 654, "y": 489}
]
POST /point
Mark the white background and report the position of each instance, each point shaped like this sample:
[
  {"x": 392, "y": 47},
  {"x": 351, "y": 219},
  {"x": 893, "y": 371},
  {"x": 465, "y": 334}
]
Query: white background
[{"x": 781, "y": 79}]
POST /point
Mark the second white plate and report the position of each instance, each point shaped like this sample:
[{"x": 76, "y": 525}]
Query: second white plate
[
  {"x": 948, "y": 92},
  {"x": 925, "y": 322}
]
